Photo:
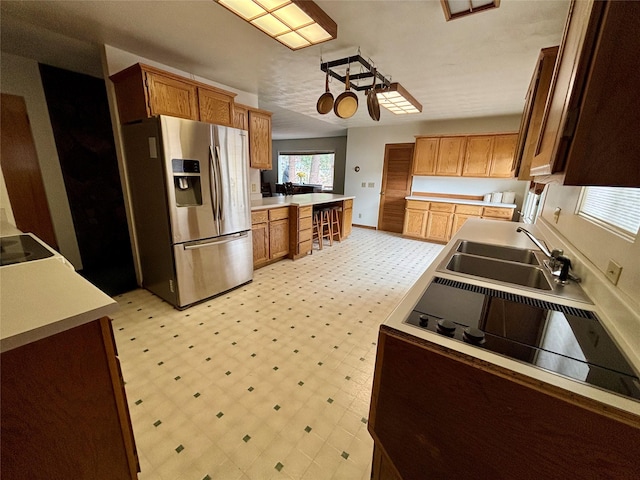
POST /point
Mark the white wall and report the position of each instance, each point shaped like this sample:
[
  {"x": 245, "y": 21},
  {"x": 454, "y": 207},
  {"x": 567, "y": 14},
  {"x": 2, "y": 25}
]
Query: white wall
[
  {"x": 592, "y": 241},
  {"x": 365, "y": 149},
  {"x": 21, "y": 76}
]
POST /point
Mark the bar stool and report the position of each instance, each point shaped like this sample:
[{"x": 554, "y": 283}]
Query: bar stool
[
  {"x": 334, "y": 215},
  {"x": 322, "y": 226}
]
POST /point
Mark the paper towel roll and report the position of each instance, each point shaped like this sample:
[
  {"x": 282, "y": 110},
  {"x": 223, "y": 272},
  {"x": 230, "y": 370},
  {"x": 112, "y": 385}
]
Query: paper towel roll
[
  {"x": 508, "y": 197},
  {"x": 496, "y": 197}
]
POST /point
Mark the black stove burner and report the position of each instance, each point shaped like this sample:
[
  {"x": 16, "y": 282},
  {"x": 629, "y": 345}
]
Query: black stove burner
[
  {"x": 557, "y": 338},
  {"x": 21, "y": 248}
]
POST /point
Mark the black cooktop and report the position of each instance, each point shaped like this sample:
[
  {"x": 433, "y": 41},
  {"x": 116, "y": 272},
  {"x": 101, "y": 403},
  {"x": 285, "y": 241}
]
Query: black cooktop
[
  {"x": 564, "y": 340},
  {"x": 21, "y": 248}
]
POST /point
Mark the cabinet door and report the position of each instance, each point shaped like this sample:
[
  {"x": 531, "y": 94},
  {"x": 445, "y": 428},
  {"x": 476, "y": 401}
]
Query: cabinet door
[
  {"x": 215, "y": 107},
  {"x": 458, "y": 221},
  {"x": 439, "y": 226},
  {"x": 568, "y": 77},
  {"x": 279, "y": 238},
  {"x": 477, "y": 160},
  {"x": 451, "y": 156},
  {"x": 260, "y": 139},
  {"x": 168, "y": 96},
  {"x": 425, "y": 156},
  {"x": 260, "y": 233},
  {"x": 504, "y": 149},
  {"x": 415, "y": 223},
  {"x": 240, "y": 117}
]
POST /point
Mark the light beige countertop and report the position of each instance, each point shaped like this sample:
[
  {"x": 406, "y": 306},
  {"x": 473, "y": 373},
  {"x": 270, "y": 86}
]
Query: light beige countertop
[
  {"x": 618, "y": 318},
  {"x": 301, "y": 200},
  {"x": 44, "y": 297},
  {"x": 459, "y": 201}
]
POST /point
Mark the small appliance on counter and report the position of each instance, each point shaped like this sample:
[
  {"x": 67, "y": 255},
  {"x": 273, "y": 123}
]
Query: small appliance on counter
[{"x": 26, "y": 247}]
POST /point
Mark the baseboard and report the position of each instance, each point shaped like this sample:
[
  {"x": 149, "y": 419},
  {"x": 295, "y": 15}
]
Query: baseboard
[{"x": 364, "y": 226}]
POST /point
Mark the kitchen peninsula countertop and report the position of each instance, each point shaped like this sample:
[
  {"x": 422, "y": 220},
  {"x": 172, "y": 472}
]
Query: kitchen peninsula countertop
[
  {"x": 459, "y": 201},
  {"x": 45, "y": 297},
  {"x": 300, "y": 200},
  {"x": 618, "y": 318}
]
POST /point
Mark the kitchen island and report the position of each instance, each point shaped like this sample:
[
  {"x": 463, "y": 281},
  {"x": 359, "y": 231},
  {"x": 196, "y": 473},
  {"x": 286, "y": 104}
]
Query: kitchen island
[
  {"x": 443, "y": 408},
  {"x": 282, "y": 226},
  {"x": 64, "y": 409}
]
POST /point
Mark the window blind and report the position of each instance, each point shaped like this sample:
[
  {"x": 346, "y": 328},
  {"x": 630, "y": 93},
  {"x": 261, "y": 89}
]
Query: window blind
[{"x": 617, "y": 209}]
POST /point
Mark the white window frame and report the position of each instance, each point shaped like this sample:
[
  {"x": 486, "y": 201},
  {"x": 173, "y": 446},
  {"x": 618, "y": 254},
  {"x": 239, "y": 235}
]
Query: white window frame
[{"x": 595, "y": 203}]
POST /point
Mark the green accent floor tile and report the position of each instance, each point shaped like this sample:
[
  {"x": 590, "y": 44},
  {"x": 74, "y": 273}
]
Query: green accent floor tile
[
  {"x": 329, "y": 400},
  {"x": 277, "y": 407},
  {"x": 345, "y": 455},
  {"x": 179, "y": 448},
  {"x": 219, "y": 414},
  {"x": 197, "y": 394},
  {"x": 250, "y": 389},
  {"x": 157, "y": 423},
  {"x": 138, "y": 402},
  {"x": 279, "y": 466},
  {"x": 246, "y": 438},
  {"x": 307, "y": 429},
  {"x": 227, "y": 373}
]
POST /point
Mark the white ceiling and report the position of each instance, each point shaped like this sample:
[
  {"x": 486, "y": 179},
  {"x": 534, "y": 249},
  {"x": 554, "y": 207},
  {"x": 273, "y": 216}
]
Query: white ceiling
[{"x": 477, "y": 66}]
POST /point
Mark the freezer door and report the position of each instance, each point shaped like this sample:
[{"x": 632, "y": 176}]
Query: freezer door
[
  {"x": 231, "y": 169},
  {"x": 189, "y": 140},
  {"x": 208, "y": 267}
]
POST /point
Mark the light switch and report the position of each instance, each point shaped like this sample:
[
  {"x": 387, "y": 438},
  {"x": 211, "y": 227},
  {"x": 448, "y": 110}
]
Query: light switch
[
  {"x": 364, "y": 185},
  {"x": 613, "y": 272},
  {"x": 371, "y": 184}
]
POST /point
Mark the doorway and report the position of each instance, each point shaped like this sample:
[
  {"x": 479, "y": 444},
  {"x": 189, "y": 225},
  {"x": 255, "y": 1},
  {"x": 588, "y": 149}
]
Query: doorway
[
  {"x": 396, "y": 185},
  {"x": 79, "y": 114}
]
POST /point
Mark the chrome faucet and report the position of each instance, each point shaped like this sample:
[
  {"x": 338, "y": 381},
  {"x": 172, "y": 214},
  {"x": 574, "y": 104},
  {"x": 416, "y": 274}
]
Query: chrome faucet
[{"x": 558, "y": 264}]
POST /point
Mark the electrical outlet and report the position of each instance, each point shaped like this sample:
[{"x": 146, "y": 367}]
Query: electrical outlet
[
  {"x": 359, "y": 215},
  {"x": 254, "y": 188},
  {"x": 613, "y": 272}
]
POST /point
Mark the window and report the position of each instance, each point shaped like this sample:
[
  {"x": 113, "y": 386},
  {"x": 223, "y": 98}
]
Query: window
[
  {"x": 314, "y": 168},
  {"x": 616, "y": 209}
]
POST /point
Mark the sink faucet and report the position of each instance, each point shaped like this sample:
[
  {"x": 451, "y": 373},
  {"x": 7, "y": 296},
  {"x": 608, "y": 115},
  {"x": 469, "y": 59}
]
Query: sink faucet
[{"x": 556, "y": 258}]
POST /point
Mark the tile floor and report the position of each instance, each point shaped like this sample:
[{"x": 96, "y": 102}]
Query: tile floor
[{"x": 273, "y": 379}]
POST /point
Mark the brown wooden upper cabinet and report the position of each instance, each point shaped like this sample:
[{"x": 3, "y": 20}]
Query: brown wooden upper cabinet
[
  {"x": 590, "y": 119},
  {"x": 260, "y": 139},
  {"x": 466, "y": 155},
  {"x": 143, "y": 91}
]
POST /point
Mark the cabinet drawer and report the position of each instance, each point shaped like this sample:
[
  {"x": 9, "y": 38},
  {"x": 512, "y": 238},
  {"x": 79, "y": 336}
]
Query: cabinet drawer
[
  {"x": 469, "y": 209},
  {"x": 305, "y": 223},
  {"x": 304, "y": 235},
  {"x": 417, "y": 205},
  {"x": 496, "y": 212},
  {"x": 278, "y": 213},
  {"x": 304, "y": 212},
  {"x": 442, "y": 207},
  {"x": 305, "y": 246},
  {"x": 259, "y": 217}
]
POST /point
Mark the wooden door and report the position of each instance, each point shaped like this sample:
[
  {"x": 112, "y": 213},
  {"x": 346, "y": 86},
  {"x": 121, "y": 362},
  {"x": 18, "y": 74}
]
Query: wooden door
[
  {"x": 21, "y": 171},
  {"x": 478, "y": 157},
  {"x": 451, "y": 156},
  {"x": 415, "y": 222},
  {"x": 396, "y": 185},
  {"x": 240, "y": 117},
  {"x": 425, "y": 156}
]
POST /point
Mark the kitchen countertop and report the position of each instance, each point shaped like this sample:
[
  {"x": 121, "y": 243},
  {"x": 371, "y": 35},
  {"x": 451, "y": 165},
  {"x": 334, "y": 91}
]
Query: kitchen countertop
[
  {"x": 301, "y": 200},
  {"x": 460, "y": 201},
  {"x": 44, "y": 297},
  {"x": 618, "y": 319}
]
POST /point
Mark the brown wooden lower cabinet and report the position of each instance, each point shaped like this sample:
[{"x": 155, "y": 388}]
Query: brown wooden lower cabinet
[
  {"x": 270, "y": 231},
  {"x": 440, "y": 221},
  {"x": 439, "y": 414},
  {"x": 64, "y": 409}
]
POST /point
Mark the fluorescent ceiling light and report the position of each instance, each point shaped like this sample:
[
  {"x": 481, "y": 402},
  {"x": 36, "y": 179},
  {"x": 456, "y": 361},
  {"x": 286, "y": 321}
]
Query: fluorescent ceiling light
[
  {"x": 397, "y": 100},
  {"x": 460, "y": 8},
  {"x": 294, "y": 23}
]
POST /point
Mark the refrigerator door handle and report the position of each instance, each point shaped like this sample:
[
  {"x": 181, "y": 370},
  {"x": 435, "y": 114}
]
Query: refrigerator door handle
[
  {"x": 213, "y": 184},
  {"x": 221, "y": 196},
  {"x": 227, "y": 239}
]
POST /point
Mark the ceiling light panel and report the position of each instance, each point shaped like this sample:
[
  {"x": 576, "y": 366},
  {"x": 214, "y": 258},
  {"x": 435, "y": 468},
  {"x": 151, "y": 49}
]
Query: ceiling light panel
[{"x": 294, "y": 23}]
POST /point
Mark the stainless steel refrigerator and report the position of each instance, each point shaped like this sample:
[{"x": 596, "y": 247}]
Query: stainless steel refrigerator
[{"x": 189, "y": 185}]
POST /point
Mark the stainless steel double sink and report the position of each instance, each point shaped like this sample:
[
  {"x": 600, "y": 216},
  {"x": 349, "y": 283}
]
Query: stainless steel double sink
[{"x": 511, "y": 266}]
